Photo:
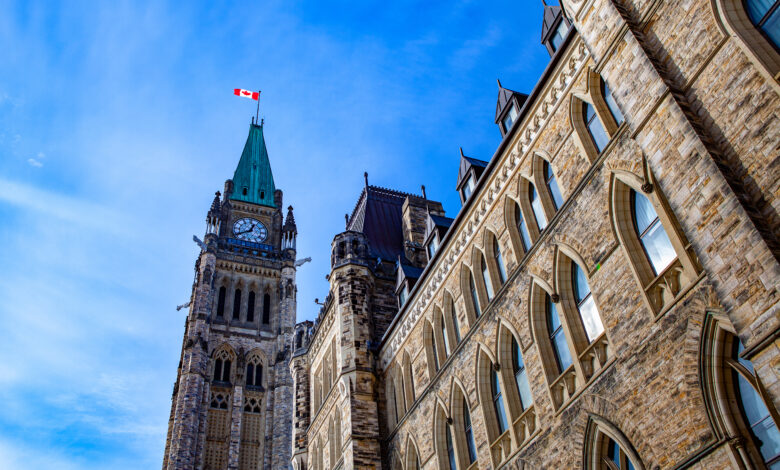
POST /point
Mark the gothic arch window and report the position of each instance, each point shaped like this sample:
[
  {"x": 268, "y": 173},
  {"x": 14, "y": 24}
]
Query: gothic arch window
[
  {"x": 548, "y": 199},
  {"x": 518, "y": 229},
  {"x": 596, "y": 131},
  {"x": 408, "y": 378},
  {"x": 393, "y": 414},
  {"x": 451, "y": 314},
  {"x": 221, "y": 302},
  {"x": 491, "y": 397},
  {"x": 473, "y": 294},
  {"x": 661, "y": 257},
  {"x": 254, "y": 372},
  {"x": 250, "y": 308},
  {"x": 494, "y": 270},
  {"x": 412, "y": 457},
  {"x": 463, "y": 431},
  {"x": 607, "y": 448},
  {"x": 552, "y": 185},
  {"x": 737, "y": 397},
  {"x": 537, "y": 207},
  {"x": 223, "y": 362},
  {"x": 487, "y": 281},
  {"x": 614, "y": 110},
  {"x": 400, "y": 392},
  {"x": 266, "y": 309},
  {"x": 441, "y": 337},
  {"x": 237, "y": 304},
  {"x": 513, "y": 372},
  {"x": 557, "y": 336},
  {"x": 431, "y": 350},
  {"x": 755, "y": 24},
  {"x": 578, "y": 301},
  {"x": 444, "y": 443}
]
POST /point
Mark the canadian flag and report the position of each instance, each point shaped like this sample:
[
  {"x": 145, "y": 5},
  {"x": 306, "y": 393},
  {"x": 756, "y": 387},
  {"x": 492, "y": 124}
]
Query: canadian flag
[{"x": 255, "y": 95}]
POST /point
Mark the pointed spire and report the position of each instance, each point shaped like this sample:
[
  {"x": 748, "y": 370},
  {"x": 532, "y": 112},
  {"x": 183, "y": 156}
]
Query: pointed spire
[
  {"x": 253, "y": 180},
  {"x": 216, "y": 205},
  {"x": 499, "y": 83},
  {"x": 289, "y": 223}
]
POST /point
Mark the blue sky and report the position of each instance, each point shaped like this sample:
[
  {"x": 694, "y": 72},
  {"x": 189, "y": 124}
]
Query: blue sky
[{"x": 117, "y": 125}]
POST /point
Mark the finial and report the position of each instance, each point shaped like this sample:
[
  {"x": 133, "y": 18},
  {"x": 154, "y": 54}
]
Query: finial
[
  {"x": 544, "y": 3},
  {"x": 253, "y": 120},
  {"x": 262, "y": 122},
  {"x": 218, "y": 194},
  {"x": 346, "y": 220},
  {"x": 290, "y": 208},
  {"x": 365, "y": 176},
  {"x": 423, "y": 192},
  {"x": 499, "y": 83},
  {"x": 461, "y": 153}
]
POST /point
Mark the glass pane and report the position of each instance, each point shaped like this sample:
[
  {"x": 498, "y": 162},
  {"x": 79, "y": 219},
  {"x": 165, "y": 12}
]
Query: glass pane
[
  {"x": 769, "y": 437},
  {"x": 486, "y": 279},
  {"x": 757, "y": 9},
  {"x": 499, "y": 261},
  {"x": 596, "y": 129},
  {"x": 524, "y": 389},
  {"x": 524, "y": 236},
  {"x": 772, "y": 27},
  {"x": 581, "y": 288},
  {"x": 613, "y": 452},
  {"x": 450, "y": 448},
  {"x": 555, "y": 192},
  {"x": 474, "y": 296},
  {"x": 562, "y": 350},
  {"x": 445, "y": 338},
  {"x": 501, "y": 415},
  {"x": 435, "y": 352},
  {"x": 644, "y": 213},
  {"x": 553, "y": 321},
  {"x": 591, "y": 319},
  {"x": 658, "y": 247},
  {"x": 752, "y": 404},
  {"x": 611, "y": 103},
  {"x": 536, "y": 205},
  {"x": 509, "y": 119},
  {"x": 455, "y": 323}
]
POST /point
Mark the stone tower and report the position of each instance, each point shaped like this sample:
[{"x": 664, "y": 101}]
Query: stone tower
[{"x": 232, "y": 400}]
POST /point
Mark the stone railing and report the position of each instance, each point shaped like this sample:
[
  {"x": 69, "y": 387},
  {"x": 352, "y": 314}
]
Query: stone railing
[
  {"x": 664, "y": 289},
  {"x": 595, "y": 356},
  {"x": 501, "y": 448},
  {"x": 525, "y": 425},
  {"x": 564, "y": 387}
]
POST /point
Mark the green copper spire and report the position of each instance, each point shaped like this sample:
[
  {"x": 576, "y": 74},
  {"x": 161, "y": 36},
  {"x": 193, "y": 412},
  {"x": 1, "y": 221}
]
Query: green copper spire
[{"x": 253, "y": 181}]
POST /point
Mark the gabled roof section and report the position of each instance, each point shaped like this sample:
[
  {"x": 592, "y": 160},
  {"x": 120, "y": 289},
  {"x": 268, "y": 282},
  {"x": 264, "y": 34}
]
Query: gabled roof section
[
  {"x": 466, "y": 163},
  {"x": 437, "y": 223},
  {"x": 505, "y": 96},
  {"x": 378, "y": 215},
  {"x": 406, "y": 272},
  {"x": 253, "y": 180},
  {"x": 551, "y": 13}
]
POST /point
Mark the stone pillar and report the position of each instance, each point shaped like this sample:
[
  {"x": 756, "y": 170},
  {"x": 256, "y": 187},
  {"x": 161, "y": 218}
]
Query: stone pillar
[{"x": 236, "y": 414}]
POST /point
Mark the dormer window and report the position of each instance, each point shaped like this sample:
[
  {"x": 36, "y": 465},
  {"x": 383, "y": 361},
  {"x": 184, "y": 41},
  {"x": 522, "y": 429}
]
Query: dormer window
[
  {"x": 559, "y": 35},
  {"x": 433, "y": 245},
  {"x": 510, "y": 118},
  {"x": 468, "y": 188},
  {"x": 402, "y": 296}
]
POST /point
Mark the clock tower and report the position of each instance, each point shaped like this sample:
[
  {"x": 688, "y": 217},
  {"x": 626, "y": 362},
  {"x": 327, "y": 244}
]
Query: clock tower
[{"x": 232, "y": 400}]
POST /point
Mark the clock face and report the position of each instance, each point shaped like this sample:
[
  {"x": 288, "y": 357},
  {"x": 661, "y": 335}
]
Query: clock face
[{"x": 250, "y": 230}]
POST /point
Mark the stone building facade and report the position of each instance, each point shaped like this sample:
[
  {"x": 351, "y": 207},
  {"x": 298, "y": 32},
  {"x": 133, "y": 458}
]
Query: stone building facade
[
  {"x": 607, "y": 296},
  {"x": 233, "y": 397}
]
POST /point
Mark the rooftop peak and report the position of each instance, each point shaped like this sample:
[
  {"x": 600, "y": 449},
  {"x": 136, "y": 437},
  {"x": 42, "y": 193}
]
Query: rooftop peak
[{"x": 253, "y": 180}]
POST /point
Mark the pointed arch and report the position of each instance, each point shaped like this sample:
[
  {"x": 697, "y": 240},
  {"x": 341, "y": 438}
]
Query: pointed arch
[
  {"x": 517, "y": 227},
  {"x": 431, "y": 354},
  {"x": 408, "y": 378},
  {"x": 577, "y": 301},
  {"x": 490, "y": 390},
  {"x": 470, "y": 294},
  {"x": 589, "y": 131},
  {"x": 482, "y": 277},
  {"x": 546, "y": 183},
  {"x": 513, "y": 370},
  {"x": 443, "y": 443},
  {"x": 460, "y": 412},
  {"x": 451, "y": 317},
  {"x": 442, "y": 337},
  {"x": 495, "y": 257},
  {"x": 412, "y": 454},
  {"x": 256, "y": 367},
  {"x": 602, "y": 101},
  {"x": 607, "y": 448},
  {"x": 393, "y": 414},
  {"x": 223, "y": 360}
]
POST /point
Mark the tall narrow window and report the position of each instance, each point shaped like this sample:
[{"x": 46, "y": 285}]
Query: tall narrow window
[
  {"x": 585, "y": 304},
  {"x": 455, "y": 324},
  {"x": 221, "y": 302},
  {"x": 498, "y": 402},
  {"x": 450, "y": 447},
  {"x": 486, "y": 278},
  {"x": 237, "y": 305},
  {"x": 552, "y": 186},
  {"x": 468, "y": 188},
  {"x": 499, "y": 261},
  {"x": 470, "y": 445},
  {"x": 435, "y": 352},
  {"x": 266, "y": 309},
  {"x": 525, "y": 238},
  {"x": 762, "y": 428},
  {"x": 222, "y": 370},
  {"x": 402, "y": 297},
  {"x": 444, "y": 337},
  {"x": 254, "y": 374},
  {"x": 521, "y": 376},
  {"x": 510, "y": 118},
  {"x": 250, "y": 308},
  {"x": 765, "y": 15},
  {"x": 655, "y": 241},
  {"x": 474, "y": 296},
  {"x": 536, "y": 207},
  {"x": 611, "y": 103},
  {"x": 595, "y": 128},
  {"x": 557, "y": 337},
  {"x": 559, "y": 35}
]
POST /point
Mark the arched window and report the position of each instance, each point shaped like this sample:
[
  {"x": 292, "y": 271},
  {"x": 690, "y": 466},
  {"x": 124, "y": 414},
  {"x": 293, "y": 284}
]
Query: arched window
[
  {"x": 237, "y": 305},
  {"x": 221, "y": 302},
  {"x": 444, "y": 444},
  {"x": 552, "y": 186},
  {"x": 412, "y": 458},
  {"x": 498, "y": 402},
  {"x": 450, "y": 448},
  {"x": 499, "y": 261},
  {"x": 392, "y": 405},
  {"x": 525, "y": 237},
  {"x": 521, "y": 376},
  {"x": 557, "y": 337},
  {"x": 537, "y": 207},
  {"x": 616, "y": 456},
  {"x": 454, "y": 318},
  {"x": 585, "y": 304},
  {"x": 408, "y": 377},
  {"x": 611, "y": 103},
  {"x": 250, "y": 308},
  {"x": 266, "y": 309},
  {"x": 431, "y": 349},
  {"x": 222, "y": 365},
  {"x": 765, "y": 15},
  {"x": 486, "y": 278},
  {"x": 254, "y": 372},
  {"x": 445, "y": 339},
  {"x": 658, "y": 248},
  {"x": 469, "y": 432},
  {"x": 595, "y": 128},
  {"x": 606, "y": 448},
  {"x": 474, "y": 296}
]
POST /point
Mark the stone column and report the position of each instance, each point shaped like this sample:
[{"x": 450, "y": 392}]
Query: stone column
[{"x": 236, "y": 414}]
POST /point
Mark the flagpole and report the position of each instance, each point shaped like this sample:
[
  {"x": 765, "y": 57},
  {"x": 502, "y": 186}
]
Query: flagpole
[{"x": 257, "y": 117}]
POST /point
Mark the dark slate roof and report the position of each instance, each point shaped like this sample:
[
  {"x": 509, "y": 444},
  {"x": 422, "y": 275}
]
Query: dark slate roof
[
  {"x": 504, "y": 97},
  {"x": 551, "y": 13},
  {"x": 378, "y": 215},
  {"x": 466, "y": 163},
  {"x": 438, "y": 223},
  {"x": 407, "y": 272}
]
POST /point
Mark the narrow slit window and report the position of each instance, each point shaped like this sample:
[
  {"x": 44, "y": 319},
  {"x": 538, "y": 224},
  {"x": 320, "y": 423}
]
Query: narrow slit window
[
  {"x": 266, "y": 309},
  {"x": 450, "y": 447},
  {"x": 525, "y": 238},
  {"x": 250, "y": 308},
  {"x": 237, "y": 305},
  {"x": 486, "y": 279},
  {"x": 557, "y": 337},
  {"x": 611, "y": 103},
  {"x": 221, "y": 302},
  {"x": 499, "y": 261},
  {"x": 474, "y": 296},
  {"x": 455, "y": 323},
  {"x": 521, "y": 377},
  {"x": 536, "y": 207},
  {"x": 552, "y": 186},
  {"x": 444, "y": 338},
  {"x": 498, "y": 402}
]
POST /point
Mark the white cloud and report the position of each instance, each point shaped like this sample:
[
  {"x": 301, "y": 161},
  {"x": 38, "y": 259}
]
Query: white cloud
[{"x": 34, "y": 162}]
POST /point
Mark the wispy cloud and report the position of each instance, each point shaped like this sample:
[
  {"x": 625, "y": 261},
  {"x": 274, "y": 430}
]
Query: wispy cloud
[{"x": 34, "y": 162}]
